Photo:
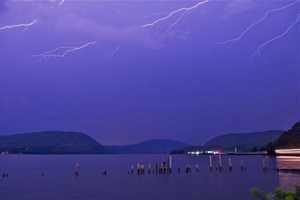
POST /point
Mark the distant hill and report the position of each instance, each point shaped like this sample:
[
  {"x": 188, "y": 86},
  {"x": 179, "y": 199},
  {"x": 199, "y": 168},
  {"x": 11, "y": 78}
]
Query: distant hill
[
  {"x": 186, "y": 149},
  {"x": 50, "y": 142},
  {"x": 243, "y": 141},
  {"x": 290, "y": 138},
  {"x": 147, "y": 147},
  {"x": 60, "y": 142}
]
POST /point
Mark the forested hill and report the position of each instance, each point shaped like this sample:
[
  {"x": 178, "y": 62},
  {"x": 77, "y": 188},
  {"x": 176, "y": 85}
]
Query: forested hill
[
  {"x": 50, "y": 142},
  {"x": 290, "y": 138},
  {"x": 243, "y": 141}
]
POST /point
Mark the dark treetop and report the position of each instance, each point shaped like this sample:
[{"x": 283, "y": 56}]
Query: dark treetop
[{"x": 290, "y": 139}]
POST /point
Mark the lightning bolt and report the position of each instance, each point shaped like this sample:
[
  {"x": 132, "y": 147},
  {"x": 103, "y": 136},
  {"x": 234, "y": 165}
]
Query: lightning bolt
[
  {"x": 171, "y": 14},
  {"x": 283, "y": 34},
  {"x": 177, "y": 21},
  {"x": 7, "y": 27},
  {"x": 63, "y": 51},
  {"x": 258, "y": 22}
]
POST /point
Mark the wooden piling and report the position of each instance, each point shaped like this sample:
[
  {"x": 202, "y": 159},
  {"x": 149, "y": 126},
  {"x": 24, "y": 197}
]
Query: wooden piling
[
  {"x": 243, "y": 168},
  {"x": 220, "y": 163},
  {"x": 210, "y": 163},
  {"x": 230, "y": 167}
]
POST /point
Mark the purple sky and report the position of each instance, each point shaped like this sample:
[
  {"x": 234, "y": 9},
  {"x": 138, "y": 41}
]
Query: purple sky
[{"x": 164, "y": 81}]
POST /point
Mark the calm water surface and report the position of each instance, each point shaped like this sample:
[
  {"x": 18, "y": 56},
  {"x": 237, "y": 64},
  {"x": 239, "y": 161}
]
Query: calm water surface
[{"x": 25, "y": 181}]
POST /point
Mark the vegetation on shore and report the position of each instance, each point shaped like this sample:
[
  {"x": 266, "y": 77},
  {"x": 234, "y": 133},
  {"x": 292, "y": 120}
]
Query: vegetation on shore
[
  {"x": 289, "y": 139},
  {"x": 278, "y": 194},
  {"x": 244, "y": 142},
  {"x": 50, "y": 142},
  {"x": 240, "y": 142}
]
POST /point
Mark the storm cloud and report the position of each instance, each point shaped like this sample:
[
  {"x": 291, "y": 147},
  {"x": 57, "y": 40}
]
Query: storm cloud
[{"x": 165, "y": 81}]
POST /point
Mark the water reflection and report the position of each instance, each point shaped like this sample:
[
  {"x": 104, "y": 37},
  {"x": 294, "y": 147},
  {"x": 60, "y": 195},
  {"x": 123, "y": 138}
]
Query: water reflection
[{"x": 289, "y": 174}]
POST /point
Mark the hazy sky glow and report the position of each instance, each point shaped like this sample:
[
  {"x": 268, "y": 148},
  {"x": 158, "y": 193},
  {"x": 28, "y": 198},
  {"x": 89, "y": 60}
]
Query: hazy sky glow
[{"x": 125, "y": 71}]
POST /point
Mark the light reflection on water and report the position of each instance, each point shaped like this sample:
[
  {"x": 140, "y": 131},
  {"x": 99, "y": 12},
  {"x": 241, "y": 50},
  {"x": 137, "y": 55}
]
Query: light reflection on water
[
  {"x": 288, "y": 181},
  {"x": 288, "y": 162},
  {"x": 290, "y": 176}
]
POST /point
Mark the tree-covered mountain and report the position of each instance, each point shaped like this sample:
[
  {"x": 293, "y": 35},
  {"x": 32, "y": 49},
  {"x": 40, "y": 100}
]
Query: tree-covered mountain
[
  {"x": 243, "y": 141},
  {"x": 290, "y": 138},
  {"x": 147, "y": 147},
  {"x": 59, "y": 142},
  {"x": 50, "y": 142}
]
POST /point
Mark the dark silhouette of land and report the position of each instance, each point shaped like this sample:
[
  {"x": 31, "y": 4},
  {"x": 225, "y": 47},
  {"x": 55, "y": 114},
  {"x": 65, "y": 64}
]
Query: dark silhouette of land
[
  {"x": 148, "y": 147},
  {"x": 50, "y": 142},
  {"x": 241, "y": 142},
  {"x": 60, "y": 142},
  {"x": 290, "y": 138}
]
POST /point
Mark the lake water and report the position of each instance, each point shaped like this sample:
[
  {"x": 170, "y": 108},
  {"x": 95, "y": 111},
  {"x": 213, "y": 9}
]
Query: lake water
[{"x": 25, "y": 181}]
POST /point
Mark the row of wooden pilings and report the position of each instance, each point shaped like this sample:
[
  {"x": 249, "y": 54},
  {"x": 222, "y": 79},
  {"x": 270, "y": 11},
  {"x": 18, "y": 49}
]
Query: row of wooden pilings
[
  {"x": 166, "y": 167},
  {"x": 220, "y": 166},
  {"x": 77, "y": 170},
  {"x": 243, "y": 166}
]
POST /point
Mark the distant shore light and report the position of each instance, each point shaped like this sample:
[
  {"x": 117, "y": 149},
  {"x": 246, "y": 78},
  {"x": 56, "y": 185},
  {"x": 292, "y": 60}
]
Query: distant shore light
[{"x": 287, "y": 151}]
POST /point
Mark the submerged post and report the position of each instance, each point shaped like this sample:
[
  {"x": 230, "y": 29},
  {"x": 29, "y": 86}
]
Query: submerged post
[
  {"x": 138, "y": 168},
  {"x": 229, "y": 164},
  {"x": 197, "y": 168},
  {"x": 188, "y": 169},
  {"x": 76, "y": 169},
  {"x": 264, "y": 165},
  {"x": 210, "y": 163},
  {"x": 149, "y": 168},
  {"x": 170, "y": 163},
  {"x": 131, "y": 169},
  {"x": 220, "y": 163},
  {"x": 243, "y": 168}
]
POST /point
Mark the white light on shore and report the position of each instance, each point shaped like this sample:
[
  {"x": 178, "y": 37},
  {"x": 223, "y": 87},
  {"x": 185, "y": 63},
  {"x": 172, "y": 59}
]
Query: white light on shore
[
  {"x": 203, "y": 152},
  {"x": 287, "y": 151}
]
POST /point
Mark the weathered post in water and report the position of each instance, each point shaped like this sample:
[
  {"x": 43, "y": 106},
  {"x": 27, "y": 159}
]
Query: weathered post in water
[
  {"x": 156, "y": 169},
  {"x": 76, "y": 169},
  {"x": 104, "y": 172},
  {"x": 142, "y": 169},
  {"x": 188, "y": 169},
  {"x": 264, "y": 165},
  {"x": 243, "y": 168},
  {"x": 197, "y": 168},
  {"x": 230, "y": 164},
  {"x": 4, "y": 175},
  {"x": 149, "y": 168},
  {"x": 220, "y": 163},
  {"x": 170, "y": 164},
  {"x": 131, "y": 169},
  {"x": 164, "y": 165},
  {"x": 138, "y": 168},
  {"x": 210, "y": 163}
]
